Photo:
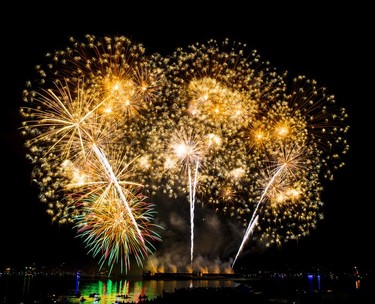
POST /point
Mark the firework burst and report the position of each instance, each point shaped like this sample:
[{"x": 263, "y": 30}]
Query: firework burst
[
  {"x": 108, "y": 231},
  {"x": 107, "y": 125},
  {"x": 94, "y": 99}
]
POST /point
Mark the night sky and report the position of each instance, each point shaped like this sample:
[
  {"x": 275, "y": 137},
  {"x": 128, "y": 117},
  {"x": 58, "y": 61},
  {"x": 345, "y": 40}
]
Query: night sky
[{"x": 329, "y": 44}]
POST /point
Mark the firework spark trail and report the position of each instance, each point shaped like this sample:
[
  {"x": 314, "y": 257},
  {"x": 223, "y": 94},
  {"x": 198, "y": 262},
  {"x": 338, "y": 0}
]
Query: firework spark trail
[
  {"x": 192, "y": 192},
  {"x": 252, "y": 222},
  {"x": 188, "y": 149},
  {"x": 249, "y": 231},
  {"x": 113, "y": 178},
  {"x": 191, "y": 200}
]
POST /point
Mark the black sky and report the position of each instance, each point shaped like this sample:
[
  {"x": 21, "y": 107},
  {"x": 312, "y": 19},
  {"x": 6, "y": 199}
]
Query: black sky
[{"x": 329, "y": 44}]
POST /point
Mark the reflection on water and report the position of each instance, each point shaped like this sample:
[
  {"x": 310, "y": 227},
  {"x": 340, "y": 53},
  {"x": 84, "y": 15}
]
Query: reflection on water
[
  {"x": 357, "y": 277},
  {"x": 78, "y": 276},
  {"x": 314, "y": 283},
  {"x": 26, "y": 285},
  {"x": 127, "y": 291},
  {"x": 16, "y": 289}
]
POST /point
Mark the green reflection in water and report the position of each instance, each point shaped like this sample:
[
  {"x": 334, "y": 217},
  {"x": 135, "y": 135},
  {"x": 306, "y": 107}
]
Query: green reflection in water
[{"x": 122, "y": 291}]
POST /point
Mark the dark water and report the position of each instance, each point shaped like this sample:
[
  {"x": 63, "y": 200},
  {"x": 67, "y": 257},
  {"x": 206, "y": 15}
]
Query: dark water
[{"x": 70, "y": 289}]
